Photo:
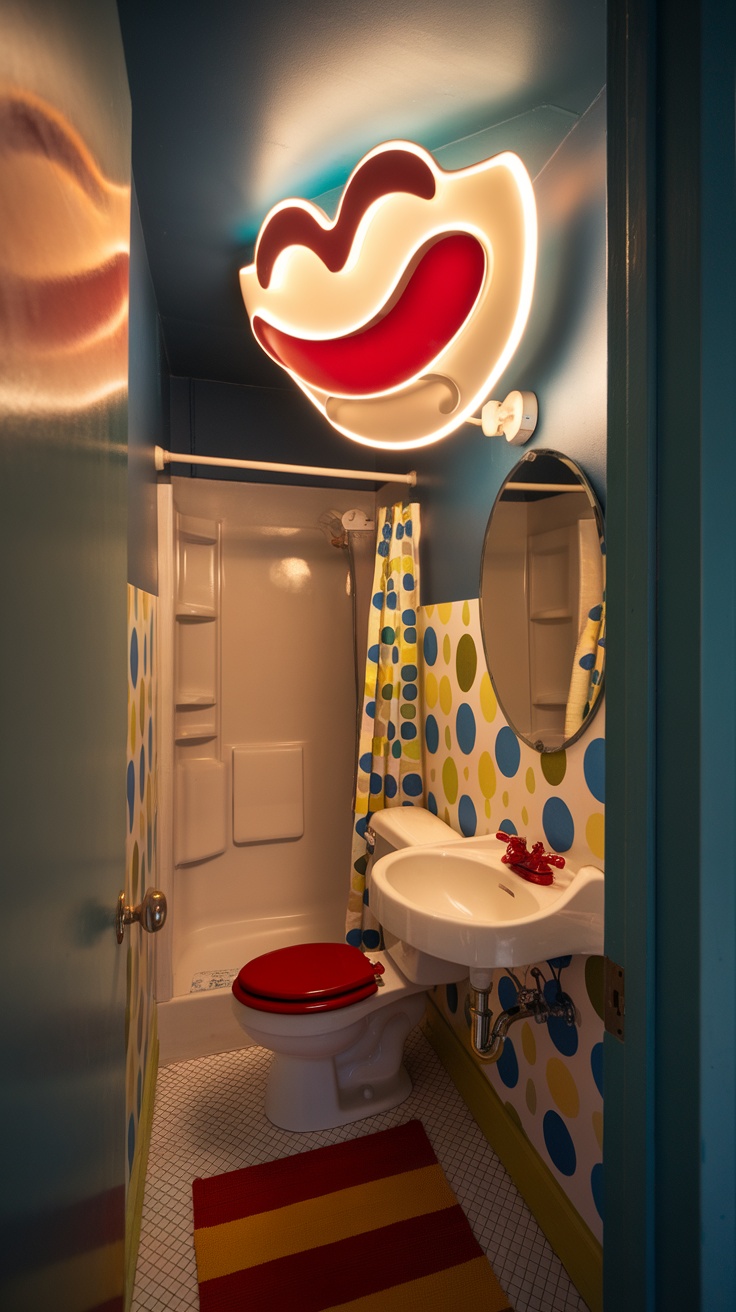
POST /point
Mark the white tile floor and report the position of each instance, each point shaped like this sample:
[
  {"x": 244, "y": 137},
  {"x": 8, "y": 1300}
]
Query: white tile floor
[{"x": 209, "y": 1119}]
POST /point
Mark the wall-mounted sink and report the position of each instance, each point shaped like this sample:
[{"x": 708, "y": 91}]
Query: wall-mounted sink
[{"x": 460, "y": 902}]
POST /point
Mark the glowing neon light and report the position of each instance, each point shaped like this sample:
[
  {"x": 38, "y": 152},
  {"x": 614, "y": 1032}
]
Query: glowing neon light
[{"x": 397, "y": 317}]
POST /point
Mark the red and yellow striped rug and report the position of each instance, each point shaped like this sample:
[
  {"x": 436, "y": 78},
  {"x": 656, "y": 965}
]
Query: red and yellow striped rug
[{"x": 370, "y": 1225}]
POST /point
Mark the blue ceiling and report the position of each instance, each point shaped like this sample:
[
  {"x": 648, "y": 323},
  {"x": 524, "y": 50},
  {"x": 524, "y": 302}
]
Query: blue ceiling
[{"x": 237, "y": 106}]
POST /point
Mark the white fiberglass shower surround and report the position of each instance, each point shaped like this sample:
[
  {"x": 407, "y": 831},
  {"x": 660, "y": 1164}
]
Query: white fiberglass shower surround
[{"x": 257, "y": 723}]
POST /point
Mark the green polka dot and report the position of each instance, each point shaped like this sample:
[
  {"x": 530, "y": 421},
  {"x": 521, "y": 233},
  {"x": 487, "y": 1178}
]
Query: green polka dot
[
  {"x": 445, "y": 694},
  {"x": 531, "y": 1096},
  {"x": 528, "y": 1043},
  {"x": 513, "y": 1115},
  {"x": 408, "y": 712},
  {"x": 562, "y": 1086},
  {"x": 487, "y": 775},
  {"x": 450, "y": 780},
  {"x": 594, "y": 982},
  {"x": 531, "y": 782},
  {"x": 554, "y": 765},
  {"x": 447, "y": 649},
  {"x": 595, "y": 831},
  {"x": 488, "y": 703},
  {"x": 466, "y": 613},
  {"x": 466, "y": 662}
]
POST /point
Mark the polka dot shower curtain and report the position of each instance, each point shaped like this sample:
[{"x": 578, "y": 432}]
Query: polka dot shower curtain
[{"x": 389, "y": 752}]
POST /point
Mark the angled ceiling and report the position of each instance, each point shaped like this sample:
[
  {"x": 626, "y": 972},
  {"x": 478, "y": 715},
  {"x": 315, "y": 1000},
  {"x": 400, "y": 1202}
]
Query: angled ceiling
[{"x": 237, "y": 106}]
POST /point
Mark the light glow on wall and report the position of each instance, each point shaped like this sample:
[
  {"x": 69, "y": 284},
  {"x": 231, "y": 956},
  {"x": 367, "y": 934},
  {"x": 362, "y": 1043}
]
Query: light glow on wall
[{"x": 396, "y": 317}]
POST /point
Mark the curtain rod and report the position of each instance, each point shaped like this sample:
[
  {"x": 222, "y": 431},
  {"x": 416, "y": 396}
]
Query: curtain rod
[{"x": 164, "y": 458}]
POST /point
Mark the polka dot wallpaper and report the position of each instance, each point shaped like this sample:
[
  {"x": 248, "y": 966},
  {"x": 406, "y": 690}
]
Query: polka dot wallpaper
[
  {"x": 479, "y": 777},
  {"x": 141, "y": 863}
]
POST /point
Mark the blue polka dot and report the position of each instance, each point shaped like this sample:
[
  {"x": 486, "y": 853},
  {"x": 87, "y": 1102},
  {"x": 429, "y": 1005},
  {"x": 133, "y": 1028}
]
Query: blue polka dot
[
  {"x": 392, "y": 601},
  {"x": 134, "y": 657},
  {"x": 451, "y": 994},
  {"x": 374, "y": 652},
  {"x": 432, "y": 804},
  {"x": 376, "y": 783},
  {"x": 370, "y": 710},
  {"x": 409, "y": 528},
  {"x": 409, "y": 672},
  {"x": 408, "y": 616},
  {"x": 386, "y": 532},
  {"x": 596, "y": 1065},
  {"x": 409, "y": 692},
  {"x": 432, "y": 734},
  {"x": 508, "y": 752},
  {"x": 507, "y": 993},
  {"x": 383, "y": 549},
  {"x": 587, "y": 661},
  {"x": 508, "y": 827},
  {"x": 399, "y": 532},
  {"x": 130, "y": 790},
  {"x": 595, "y": 612},
  {"x": 408, "y": 732},
  {"x": 430, "y": 646},
  {"x": 507, "y": 1065},
  {"x": 390, "y": 585},
  {"x": 354, "y": 937},
  {"x": 391, "y": 732},
  {"x": 559, "y": 1144},
  {"x": 390, "y": 787},
  {"x": 361, "y": 825},
  {"x": 366, "y": 897},
  {"x": 372, "y": 938},
  {"x": 409, "y": 583},
  {"x": 378, "y": 600},
  {"x": 467, "y": 817},
  {"x": 395, "y": 654},
  {"x": 594, "y": 768},
  {"x": 558, "y": 824},
  {"x": 465, "y": 728},
  {"x": 564, "y": 1036},
  {"x": 596, "y": 1187},
  {"x": 366, "y": 762},
  {"x": 412, "y": 785},
  {"x": 559, "y": 963},
  {"x": 410, "y": 635},
  {"x": 142, "y": 773}
]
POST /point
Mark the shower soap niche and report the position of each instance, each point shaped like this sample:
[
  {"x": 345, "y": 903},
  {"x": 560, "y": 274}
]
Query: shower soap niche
[
  {"x": 200, "y": 812},
  {"x": 196, "y": 566},
  {"x": 268, "y": 792}
]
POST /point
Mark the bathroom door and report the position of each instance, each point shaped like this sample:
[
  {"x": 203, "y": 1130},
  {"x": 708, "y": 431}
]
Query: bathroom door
[{"x": 64, "y": 218}]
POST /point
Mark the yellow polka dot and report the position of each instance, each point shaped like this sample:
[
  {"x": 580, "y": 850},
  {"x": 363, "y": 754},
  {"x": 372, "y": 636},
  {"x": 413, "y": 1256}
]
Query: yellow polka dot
[
  {"x": 487, "y": 809},
  {"x": 488, "y": 703},
  {"x": 466, "y": 772},
  {"x": 433, "y": 774},
  {"x": 445, "y": 694},
  {"x": 562, "y": 1086},
  {"x": 598, "y": 1128},
  {"x": 487, "y": 775},
  {"x": 531, "y": 782},
  {"x": 444, "y": 611},
  {"x": 430, "y": 689},
  {"x": 524, "y": 816},
  {"x": 450, "y": 780},
  {"x": 428, "y": 611},
  {"x": 466, "y": 613},
  {"x": 446, "y": 817},
  {"x": 505, "y": 799},
  {"x": 529, "y": 1043},
  {"x": 595, "y": 834},
  {"x": 531, "y": 1096},
  {"x": 412, "y": 751},
  {"x": 447, "y": 649},
  {"x": 448, "y": 738}
]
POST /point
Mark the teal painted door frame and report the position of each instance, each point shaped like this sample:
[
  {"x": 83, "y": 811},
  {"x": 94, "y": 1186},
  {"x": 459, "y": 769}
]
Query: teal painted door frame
[{"x": 671, "y": 763}]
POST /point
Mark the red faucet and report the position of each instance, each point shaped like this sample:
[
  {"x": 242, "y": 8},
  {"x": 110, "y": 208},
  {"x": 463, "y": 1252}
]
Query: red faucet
[{"x": 534, "y": 865}]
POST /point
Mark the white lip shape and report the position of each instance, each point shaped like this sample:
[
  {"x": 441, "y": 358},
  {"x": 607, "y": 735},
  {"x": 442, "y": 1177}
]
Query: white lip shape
[
  {"x": 397, "y": 317},
  {"x": 459, "y": 902}
]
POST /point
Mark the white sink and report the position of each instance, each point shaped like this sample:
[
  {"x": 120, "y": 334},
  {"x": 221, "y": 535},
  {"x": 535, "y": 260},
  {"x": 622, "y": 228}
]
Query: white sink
[{"x": 459, "y": 902}]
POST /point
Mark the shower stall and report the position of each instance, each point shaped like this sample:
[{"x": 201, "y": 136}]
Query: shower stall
[{"x": 263, "y": 601}]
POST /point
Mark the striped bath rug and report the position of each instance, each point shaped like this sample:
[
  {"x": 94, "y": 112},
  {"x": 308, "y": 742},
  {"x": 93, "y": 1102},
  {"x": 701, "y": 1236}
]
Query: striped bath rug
[{"x": 370, "y": 1225}]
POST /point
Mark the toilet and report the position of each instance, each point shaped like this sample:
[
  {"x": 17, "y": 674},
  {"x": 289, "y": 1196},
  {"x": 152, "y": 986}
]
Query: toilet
[{"x": 335, "y": 1018}]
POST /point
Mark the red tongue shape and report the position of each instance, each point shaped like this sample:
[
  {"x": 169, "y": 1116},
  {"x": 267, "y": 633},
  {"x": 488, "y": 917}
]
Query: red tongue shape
[{"x": 433, "y": 306}]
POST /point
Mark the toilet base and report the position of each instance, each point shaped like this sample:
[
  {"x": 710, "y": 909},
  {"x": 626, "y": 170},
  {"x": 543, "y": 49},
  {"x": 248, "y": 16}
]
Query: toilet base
[{"x": 368, "y": 1077}]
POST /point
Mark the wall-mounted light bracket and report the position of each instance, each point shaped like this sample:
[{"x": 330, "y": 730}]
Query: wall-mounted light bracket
[{"x": 515, "y": 418}]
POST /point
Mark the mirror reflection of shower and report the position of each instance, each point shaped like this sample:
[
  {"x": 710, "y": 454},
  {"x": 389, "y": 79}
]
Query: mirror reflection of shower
[{"x": 354, "y": 532}]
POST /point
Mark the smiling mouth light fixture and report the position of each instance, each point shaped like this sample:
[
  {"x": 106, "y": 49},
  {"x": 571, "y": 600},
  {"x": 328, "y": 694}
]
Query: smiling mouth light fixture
[{"x": 397, "y": 317}]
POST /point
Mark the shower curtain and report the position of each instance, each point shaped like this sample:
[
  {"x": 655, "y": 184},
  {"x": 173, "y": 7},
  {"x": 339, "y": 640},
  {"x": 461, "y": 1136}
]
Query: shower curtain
[{"x": 389, "y": 770}]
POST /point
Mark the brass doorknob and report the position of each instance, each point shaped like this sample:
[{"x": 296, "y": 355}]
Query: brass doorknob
[{"x": 150, "y": 913}]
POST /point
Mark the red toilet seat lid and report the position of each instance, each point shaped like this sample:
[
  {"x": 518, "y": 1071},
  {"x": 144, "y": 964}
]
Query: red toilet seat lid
[{"x": 307, "y": 977}]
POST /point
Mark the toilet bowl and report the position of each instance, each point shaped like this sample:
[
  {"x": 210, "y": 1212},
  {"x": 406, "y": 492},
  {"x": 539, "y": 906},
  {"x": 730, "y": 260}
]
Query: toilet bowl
[{"x": 336, "y": 1020}]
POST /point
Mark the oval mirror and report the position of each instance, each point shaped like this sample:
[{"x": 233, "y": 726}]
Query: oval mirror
[{"x": 542, "y": 600}]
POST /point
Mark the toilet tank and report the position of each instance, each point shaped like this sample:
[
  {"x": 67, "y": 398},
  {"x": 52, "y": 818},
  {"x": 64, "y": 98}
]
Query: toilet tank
[{"x": 389, "y": 831}]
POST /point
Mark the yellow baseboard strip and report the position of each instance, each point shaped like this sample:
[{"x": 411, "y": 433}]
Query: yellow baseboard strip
[
  {"x": 136, "y": 1188},
  {"x": 578, "y": 1249}
]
